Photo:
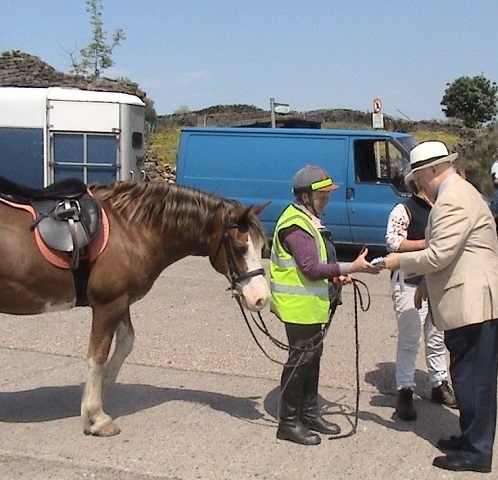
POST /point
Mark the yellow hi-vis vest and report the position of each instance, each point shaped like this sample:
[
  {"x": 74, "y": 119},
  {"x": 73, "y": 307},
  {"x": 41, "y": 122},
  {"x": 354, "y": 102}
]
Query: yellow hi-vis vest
[{"x": 295, "y": 298}]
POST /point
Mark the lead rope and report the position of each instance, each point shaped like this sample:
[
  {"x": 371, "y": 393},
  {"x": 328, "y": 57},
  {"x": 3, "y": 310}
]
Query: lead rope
[{"x": 358, "y": 299}]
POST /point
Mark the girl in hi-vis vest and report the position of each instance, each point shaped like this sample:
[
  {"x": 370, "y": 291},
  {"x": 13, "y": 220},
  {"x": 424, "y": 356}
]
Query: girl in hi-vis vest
[{"x": 306, "y": 279}]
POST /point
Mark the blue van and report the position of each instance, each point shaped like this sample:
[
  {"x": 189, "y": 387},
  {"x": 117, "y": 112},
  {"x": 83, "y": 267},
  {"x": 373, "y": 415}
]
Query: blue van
[{"x": 257, "y": 165}]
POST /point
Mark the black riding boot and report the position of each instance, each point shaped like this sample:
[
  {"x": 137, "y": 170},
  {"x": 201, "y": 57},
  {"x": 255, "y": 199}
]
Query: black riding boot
[
  {"x": 292, "y": 383},
  {"x": 290, "y": 426},
  {"x": 310, "y": 410}
]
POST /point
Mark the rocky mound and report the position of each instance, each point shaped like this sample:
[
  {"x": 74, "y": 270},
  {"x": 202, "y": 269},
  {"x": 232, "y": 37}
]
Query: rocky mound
[{"x": 18, "y": 69}]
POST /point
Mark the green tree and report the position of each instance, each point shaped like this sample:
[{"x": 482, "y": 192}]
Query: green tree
[
  {"x": 150, "y": 115},
  {"x": 97, "y": 55},
  {"x": 471, "y": 99},
  {"x": 182, "y": 110}
]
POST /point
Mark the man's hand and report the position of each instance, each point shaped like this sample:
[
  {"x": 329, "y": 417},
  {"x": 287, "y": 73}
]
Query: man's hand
[
  {"x": 421, "y": 294},
  {"x": 391, "y": 261}
]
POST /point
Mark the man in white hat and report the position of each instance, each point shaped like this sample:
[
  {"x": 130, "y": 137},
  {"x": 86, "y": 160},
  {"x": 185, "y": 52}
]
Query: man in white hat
[{"x": 460, "y": 264}]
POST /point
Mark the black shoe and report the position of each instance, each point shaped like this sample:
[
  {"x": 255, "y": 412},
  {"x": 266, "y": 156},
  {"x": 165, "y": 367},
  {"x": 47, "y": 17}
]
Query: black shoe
[
  {"x": 457, "y": 463},
  {"x": 453, "y": 443},
  {"x": 404, "y": 406},
  {"x": 319, "y": 424},
  {"x": 297, "y": 433},
  {"x": 444, "y": 395}
]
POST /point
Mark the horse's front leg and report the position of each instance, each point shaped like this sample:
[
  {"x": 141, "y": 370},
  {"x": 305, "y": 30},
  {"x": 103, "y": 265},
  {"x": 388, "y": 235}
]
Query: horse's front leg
[{"x": 106, "y": 318}]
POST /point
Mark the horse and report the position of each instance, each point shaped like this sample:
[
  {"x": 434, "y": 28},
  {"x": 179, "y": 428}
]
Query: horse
[{"x": 151, "y": 226}]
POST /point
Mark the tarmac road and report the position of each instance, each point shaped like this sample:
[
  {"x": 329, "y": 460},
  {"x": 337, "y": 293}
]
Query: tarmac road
[{"x": 197, "y": 399}]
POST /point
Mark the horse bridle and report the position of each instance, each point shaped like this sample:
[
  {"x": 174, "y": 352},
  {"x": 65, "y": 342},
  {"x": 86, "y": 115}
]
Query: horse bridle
[{"x": 235, "y": 276}]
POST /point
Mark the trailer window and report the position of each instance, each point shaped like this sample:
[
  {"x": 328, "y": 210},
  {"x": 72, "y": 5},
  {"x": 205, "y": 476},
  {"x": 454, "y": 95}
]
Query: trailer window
[
  {"x": 89, "y": 157},
  {"x": 101, "y": 149},
  {"x": 137, "y": 140}
]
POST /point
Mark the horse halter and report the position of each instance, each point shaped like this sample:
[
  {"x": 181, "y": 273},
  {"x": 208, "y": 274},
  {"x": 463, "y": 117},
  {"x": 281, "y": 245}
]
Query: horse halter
[{"x": 235, "y": 276}]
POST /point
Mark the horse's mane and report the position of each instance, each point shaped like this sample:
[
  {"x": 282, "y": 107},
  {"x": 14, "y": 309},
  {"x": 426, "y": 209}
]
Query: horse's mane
[{"x": 189, "y": 209}]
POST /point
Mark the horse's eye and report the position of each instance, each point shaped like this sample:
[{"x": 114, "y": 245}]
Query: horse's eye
[{"x": 241, "y": 250}]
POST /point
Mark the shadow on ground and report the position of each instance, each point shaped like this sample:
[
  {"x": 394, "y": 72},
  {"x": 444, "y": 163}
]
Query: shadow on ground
[
  {"x": 433, "y": 420},
  {"x": 51, "y": 403}
]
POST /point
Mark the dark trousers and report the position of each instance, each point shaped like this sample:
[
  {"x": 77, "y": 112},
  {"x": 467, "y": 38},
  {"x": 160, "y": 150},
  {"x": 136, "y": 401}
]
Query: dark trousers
[
  {"x": 299, "y": 381},
  {"x": 473, "y": 366}
]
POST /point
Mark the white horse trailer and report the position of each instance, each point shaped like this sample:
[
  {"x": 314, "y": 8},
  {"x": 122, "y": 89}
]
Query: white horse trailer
[{"x": 47, "y": 134}]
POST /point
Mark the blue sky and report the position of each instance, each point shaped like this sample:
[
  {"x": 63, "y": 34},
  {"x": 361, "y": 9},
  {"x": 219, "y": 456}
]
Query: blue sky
[{"x": 311, "y": 54}]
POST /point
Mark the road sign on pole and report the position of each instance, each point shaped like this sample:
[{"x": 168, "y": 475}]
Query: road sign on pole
[
  {"x": 377, "y": 105},
  {"x": 282, "y": 108},
  {"x": 378, "y": 121}
]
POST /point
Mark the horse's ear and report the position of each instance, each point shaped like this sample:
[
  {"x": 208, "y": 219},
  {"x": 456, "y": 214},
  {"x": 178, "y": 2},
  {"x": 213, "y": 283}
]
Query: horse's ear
[
  {"x": 257, "y": 209},
  {"x": 240, "y": 215}
]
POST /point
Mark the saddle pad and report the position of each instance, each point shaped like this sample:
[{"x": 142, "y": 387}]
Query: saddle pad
[{"x": 63, "y": 259}]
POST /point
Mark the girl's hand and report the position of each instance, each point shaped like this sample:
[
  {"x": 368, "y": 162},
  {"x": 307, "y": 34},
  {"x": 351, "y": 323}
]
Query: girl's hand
[
  {"x": 342, "y": 280},
  {"x": 361, "y": 264}
]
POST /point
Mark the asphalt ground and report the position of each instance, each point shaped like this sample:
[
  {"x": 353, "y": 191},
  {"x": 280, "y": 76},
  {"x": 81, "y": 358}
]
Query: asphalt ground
[{"x": 197, "y": 399}]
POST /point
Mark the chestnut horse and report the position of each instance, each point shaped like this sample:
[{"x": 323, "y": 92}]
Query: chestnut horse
[{"x": 151, "y": 226}]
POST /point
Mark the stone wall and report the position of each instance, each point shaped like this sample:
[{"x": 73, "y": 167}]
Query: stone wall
[{"x": 18, "y": 69}]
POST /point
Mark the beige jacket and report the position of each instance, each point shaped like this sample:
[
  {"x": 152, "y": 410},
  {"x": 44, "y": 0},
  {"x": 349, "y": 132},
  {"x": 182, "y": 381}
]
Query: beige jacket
[{"x": 460, "y": 260}]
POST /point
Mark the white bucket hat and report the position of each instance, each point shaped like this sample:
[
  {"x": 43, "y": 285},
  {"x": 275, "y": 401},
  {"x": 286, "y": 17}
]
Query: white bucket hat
[{"x": 428, "y": 154}]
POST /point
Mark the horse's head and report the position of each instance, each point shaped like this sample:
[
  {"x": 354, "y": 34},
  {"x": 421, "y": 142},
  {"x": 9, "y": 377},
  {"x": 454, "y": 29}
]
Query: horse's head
[{"x": 235, "y": 251}]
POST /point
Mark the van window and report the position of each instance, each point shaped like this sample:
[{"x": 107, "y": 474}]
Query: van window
[{"x": 380, "y": 161}]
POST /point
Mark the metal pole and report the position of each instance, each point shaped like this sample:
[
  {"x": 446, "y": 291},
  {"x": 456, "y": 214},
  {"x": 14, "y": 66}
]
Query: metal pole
[
  {"x": 272, "y": 112},
  {"x": 406, "y": 116}
]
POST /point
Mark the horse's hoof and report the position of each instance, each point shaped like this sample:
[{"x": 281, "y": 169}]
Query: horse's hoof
[{"x": 108, "y": 430}]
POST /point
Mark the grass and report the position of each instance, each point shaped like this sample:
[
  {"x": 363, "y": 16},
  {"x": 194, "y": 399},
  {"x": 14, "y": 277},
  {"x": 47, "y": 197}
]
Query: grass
[
  {"x": 450, "y": 139},
  {"x": 164, "y": 143}
]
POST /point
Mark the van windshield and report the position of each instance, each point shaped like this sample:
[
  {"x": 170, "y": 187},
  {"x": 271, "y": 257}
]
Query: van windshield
[{"x": 407, "y": 143}]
